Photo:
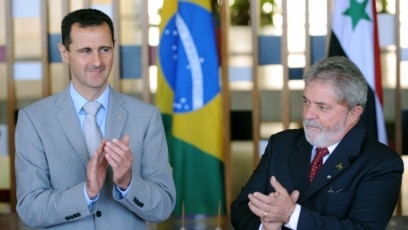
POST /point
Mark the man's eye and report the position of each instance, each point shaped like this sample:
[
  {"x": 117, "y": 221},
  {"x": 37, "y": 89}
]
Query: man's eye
[
  {"x": 306, "y": 102},
  {"x": 321, "y": 107},
  {"x": 105, "y": 50},
  {"x": 85, "y": 50}
]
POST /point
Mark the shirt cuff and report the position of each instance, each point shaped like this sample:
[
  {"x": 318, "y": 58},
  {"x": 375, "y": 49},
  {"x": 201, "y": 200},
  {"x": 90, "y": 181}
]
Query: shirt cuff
[
  {"x": 294, "y": 218},
  {"x": 87, "y": 199},
  {"x": 123, "y": 193}
]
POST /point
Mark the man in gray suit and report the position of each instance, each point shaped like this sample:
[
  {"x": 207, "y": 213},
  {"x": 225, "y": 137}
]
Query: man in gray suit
[{"x": 122, "y": 184}]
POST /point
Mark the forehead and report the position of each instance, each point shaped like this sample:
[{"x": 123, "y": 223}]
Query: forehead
[
  {"x": 321, "y": 92},
  {"x": 94, "y": 33}
]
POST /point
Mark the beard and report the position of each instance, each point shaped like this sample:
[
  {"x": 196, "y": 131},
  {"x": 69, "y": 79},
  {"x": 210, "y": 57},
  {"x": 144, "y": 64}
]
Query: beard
[{"x": 320, "y": 136}]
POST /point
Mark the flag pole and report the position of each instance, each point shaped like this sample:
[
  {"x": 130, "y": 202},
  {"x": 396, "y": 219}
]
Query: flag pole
[
  {"x": 46, "y": 83},
  {"x": 308, "y": 53},
  {"x": 398, "y": 93},
  {"x": 328, "y": 26},
  {"x": 11, "y": 99},
  {"x": 183, "y": 217},
  {"x": 226, "y": 100},
  {"x": 65, "y": 6},
  {"x": 285, "y": 89},
  {"x": 219, "y": 217},
  {"x": 255, "y": 82},
  {"x": 145, "y": 51}
]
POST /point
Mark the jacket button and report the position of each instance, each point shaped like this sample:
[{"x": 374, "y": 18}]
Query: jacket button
[
  {"x": 98, "y": 213},
  {"x": 138, "y": 203}
]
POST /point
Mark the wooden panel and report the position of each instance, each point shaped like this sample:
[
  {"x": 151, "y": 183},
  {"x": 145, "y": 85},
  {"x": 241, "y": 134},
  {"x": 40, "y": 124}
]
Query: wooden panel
[{"x": 11, "y": 99}]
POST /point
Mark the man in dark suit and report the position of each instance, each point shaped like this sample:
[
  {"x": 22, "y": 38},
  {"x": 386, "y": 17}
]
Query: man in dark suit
[
  {"x": 358, "y": 185},
  {"x": 123, "y": 182}
]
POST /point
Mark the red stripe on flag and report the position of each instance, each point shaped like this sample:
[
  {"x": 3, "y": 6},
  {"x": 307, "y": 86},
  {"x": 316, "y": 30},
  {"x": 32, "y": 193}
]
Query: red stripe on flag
[{"x": 377, "y": 62}]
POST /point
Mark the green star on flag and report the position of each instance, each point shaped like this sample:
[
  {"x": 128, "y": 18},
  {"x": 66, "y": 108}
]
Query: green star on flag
[{"x": 357, "y": 11}]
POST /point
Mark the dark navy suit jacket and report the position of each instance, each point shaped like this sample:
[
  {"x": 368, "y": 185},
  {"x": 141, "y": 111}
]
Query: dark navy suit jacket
[{"x": 357, "y": 187}]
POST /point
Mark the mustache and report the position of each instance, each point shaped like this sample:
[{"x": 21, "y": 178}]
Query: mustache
[
  {"x": 96, "y": 68},
  {"x": 312, "y": 123}
]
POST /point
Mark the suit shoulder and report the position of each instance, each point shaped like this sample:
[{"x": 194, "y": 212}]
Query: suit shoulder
[
  {"x": 289, "y": 134},
  {"x": 379, "y": 149},
  {"x": 136, "y": 103},
  {"x": 41, "y": 104},
  {"x": 135, "y": 100}
]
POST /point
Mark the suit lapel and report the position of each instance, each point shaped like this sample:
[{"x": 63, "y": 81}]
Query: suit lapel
[
  {"x": 339, "y": 161},
  {"x": 299, "y": 164},
  {"x": 116, "y": 116},
  {"x": 68, "y": 120}
]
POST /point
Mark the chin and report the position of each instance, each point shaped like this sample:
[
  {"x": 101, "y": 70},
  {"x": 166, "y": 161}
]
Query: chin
[
  {"x": 98, "y": 84},
  {"x": 312, "y": 133},
  {"x": 315, "y": 138}
]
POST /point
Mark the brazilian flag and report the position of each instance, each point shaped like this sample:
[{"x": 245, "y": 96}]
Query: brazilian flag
[{"x": 189, "y": 98}]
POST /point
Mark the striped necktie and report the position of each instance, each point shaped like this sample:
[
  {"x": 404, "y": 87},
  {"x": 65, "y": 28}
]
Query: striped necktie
[{"x": 317, "y": 162}]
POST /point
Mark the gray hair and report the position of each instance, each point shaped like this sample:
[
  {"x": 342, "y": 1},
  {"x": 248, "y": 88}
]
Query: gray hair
[{"x": 349, "y": 83}]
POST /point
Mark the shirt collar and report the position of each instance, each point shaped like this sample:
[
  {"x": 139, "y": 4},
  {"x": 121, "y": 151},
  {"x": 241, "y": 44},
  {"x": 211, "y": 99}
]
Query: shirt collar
[
  {"x": 79, "y": 100},
  {"x": 330, "y": 148}
]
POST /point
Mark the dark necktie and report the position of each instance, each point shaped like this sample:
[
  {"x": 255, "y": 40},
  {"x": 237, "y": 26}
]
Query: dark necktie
[
  {"x": 317, "y": 162},
  {"x": 93, "y": 136}
]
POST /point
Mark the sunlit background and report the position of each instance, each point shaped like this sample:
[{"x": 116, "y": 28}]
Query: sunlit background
[{"x": 271, "y": 24}]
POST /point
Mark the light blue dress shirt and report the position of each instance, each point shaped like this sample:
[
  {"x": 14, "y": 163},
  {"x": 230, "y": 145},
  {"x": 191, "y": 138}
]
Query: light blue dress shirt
[{"x": 79, "y": 101}]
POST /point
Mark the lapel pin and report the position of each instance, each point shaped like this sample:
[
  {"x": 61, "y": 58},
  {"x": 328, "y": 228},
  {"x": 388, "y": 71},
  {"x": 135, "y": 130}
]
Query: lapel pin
[
  {"x": 339, "y": 166},
  {"x": 330, "y": 190},
  {"x": 120, "y": 116},
  {"x": 328, "y": 176}
]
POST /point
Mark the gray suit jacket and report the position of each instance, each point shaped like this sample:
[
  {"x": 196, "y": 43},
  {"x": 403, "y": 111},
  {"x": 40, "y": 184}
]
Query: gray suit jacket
[{"x": 51, "y": 159}]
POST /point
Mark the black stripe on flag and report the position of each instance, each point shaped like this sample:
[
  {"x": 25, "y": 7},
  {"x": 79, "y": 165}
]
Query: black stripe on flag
[{"x": 369, "y": 117}]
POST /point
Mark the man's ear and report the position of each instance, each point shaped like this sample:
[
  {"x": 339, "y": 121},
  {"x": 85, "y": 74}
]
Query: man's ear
[
  {"x": 63, "y": 52},
  {"x": 355, "y": 113}
]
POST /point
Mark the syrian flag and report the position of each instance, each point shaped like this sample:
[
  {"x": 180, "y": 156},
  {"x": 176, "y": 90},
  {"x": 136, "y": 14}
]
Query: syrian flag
[{"x": 355, "y": 36}]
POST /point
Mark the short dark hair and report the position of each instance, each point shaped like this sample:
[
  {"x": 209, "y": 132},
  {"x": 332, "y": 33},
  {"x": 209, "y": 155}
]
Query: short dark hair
[{"x": 85, "y": 18}]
